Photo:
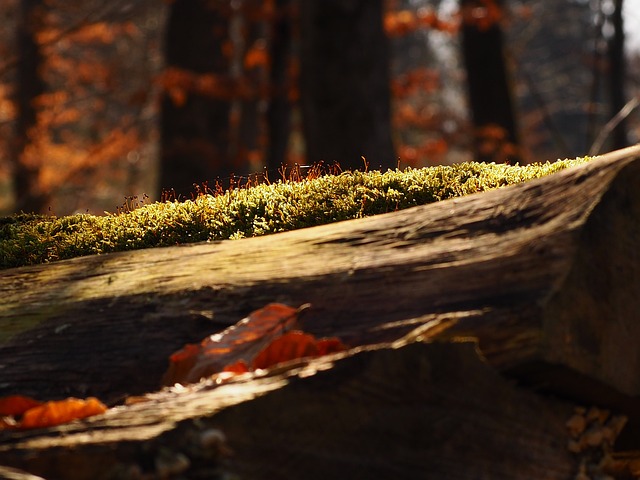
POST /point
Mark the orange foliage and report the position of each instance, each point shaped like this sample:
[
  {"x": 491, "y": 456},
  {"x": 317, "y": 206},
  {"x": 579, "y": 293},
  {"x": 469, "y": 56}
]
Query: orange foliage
[
  {"x": 257, "y": 56},
  {"x": 493, "y": 143},
  {"x": 16, "y": 405},
  {"x": 418, "y": 79},
  {"x": 63, "y": 411},
  {"x": 294, "y": 345},
  {"x": 401, "y": 22},
  {"x": 179, "y": 83},
  {"x": 20, "y": 412},
  {"x": 101, "y": 32},
  {"x": 259, "y": 341},
  {"x": 432, "y": 150},
  {"x": 483, "y": 15}
]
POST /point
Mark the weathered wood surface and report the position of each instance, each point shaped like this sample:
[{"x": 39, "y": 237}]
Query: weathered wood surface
[
  {"x": 544, "y": 275},
  {"x": 414, "y": 410},
  {"x": 545, "y": 272}
]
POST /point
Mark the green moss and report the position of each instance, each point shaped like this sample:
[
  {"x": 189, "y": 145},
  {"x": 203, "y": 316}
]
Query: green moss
[{"x": 260, "y": 210}]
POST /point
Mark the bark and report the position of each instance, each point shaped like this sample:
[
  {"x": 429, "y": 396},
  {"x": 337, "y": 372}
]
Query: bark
[
  {"x": 543, "y": 276},
  {"x": 617, "y": 76},
  {"x": 488, "y": 84},
  {"x": 344, "y": 83},
  {"x": 279, "y": 109},
  {"x": 195, "y": 134},
  {"x": 29, "y": 86}
]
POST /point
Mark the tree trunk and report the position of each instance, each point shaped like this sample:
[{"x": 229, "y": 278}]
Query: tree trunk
[
  {"x": 541, "y": 277},
  {"x": 345, "y": 83},
  {"x": 489, "y": 87},
  {"x": 195, "y": 122},
  {"x": 617, "y": 76},
  {"x": 279, "y": 110},
  {"x": 29, "y": 86}
]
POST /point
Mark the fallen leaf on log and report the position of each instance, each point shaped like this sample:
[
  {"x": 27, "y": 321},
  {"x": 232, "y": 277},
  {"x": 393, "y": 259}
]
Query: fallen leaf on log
[
  {"x": 48, "y": 414},
  {"x": 259, "y": 341},
  {"x": 294, "y": 345},
  {"x": 16, "y": 405},
  {"x": 240, "y": 342}
]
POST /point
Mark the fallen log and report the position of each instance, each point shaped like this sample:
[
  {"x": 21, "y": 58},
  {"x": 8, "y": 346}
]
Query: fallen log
[
  {"x": 543, "y": 274},
  {"x": 393, "y": 411},
  {"x": 542, "y": 271}
]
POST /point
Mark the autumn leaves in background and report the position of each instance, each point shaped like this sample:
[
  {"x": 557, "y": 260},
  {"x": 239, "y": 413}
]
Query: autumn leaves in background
[{"x": 267, "y": 337}]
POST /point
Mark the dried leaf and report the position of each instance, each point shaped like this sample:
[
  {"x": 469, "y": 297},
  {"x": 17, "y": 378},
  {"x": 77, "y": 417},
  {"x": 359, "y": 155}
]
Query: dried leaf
[
  {"x": 61, "y": 411},
  {"x": 330, "y": 345},
  {"x": 295, "y": 345},
  {"x": 241, "y": 341},
  {"x": 16, "y": 405},
  {"x": 238, "y": 367},
  {"x": 289, "y": 346}
]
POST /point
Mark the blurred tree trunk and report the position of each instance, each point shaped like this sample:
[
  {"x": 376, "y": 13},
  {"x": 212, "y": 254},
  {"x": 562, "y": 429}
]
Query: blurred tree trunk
[
  {"x": 29, "y": 86},
  {"x": 279, "y": 110},
  {"x": 345, "y": 82},
  {"x": 489, "y": 88},
  {"x": 195, "y": 129},
  {"x": 247, "y": 135},
  {"x": 617, "y": 70}
]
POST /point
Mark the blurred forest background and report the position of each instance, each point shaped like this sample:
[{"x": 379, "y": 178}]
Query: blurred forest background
[{"x": 104, "y": 100}]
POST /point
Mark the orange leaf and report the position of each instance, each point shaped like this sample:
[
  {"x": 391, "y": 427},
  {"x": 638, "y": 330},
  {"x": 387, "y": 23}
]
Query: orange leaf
[
  {"x": 289, "y": 346},
  {"x": 330, "y": 345},
  {"x": 16, "y": 404},
  {"x": 256, "y": 56},
  {"x": 239, "y": 367},
  {"x": 62, "y": 411},
  {"x": 241, "y": 341},
  {"x": 182, "y": 361},
  {"x": 294, "y": 345}
]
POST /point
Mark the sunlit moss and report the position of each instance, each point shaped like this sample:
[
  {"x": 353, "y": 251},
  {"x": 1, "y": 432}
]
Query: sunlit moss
[{"x": 260, "y": 210}]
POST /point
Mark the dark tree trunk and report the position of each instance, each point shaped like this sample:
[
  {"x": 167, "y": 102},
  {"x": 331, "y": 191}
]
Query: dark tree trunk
[
  {"x": 29, "y": 85},
  {"x": 345, "y": 83},
  {"x": 617, "y": 76},
  {"x": 195, "y": 133},
  {"x": 247, "y": 138},
  {"x": 279, "y": 111},
  {"x": 489, "y": 89}
]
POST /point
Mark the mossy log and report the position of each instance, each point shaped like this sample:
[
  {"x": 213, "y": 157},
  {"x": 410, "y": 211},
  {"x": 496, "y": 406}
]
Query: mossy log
[{"x": 543, "y": 274}]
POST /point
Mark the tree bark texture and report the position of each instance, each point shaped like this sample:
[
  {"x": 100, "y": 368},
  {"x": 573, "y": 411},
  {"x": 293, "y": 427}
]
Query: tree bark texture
[
  {"x": 543, "y": 276},
  {"x": 344, "y": 83},
  {"x": 488, "y": 83},
  {"x": 617, "y": 75},
  {"x": 195, "y": 129},
  {"x": 29, "y": 86},
  {"x": 279, "y": 108}
]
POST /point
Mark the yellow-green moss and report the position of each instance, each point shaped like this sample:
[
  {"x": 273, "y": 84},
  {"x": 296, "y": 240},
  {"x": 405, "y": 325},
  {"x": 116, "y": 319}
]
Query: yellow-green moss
[{"x": 263, "y": 209}]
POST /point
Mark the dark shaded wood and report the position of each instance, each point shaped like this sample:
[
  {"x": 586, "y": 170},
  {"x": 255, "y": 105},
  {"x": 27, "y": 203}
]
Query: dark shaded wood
[{"x": 409, "y": 410}]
